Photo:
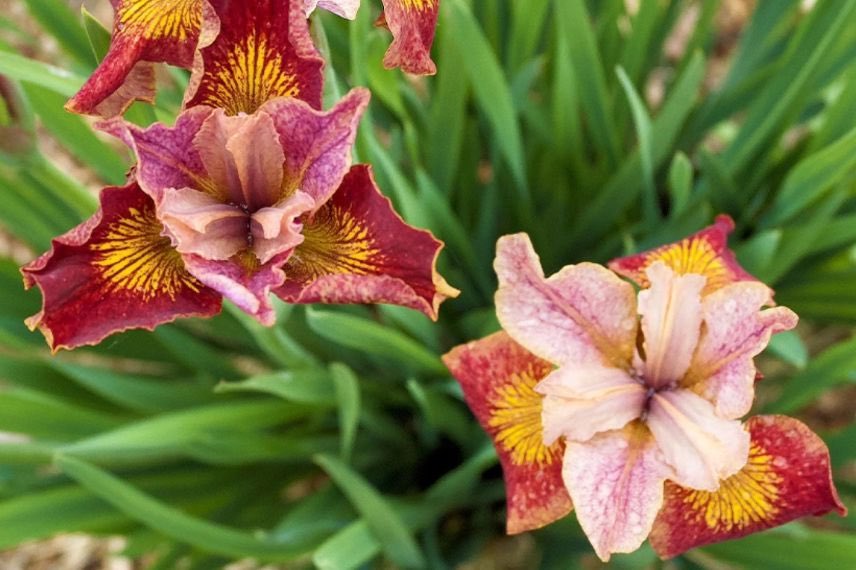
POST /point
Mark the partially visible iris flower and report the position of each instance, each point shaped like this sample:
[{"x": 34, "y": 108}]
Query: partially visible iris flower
[
  {"x": 253, "y": 195},
  {"x": 413, "y": 24},
  {"x": 627, "y": 406}
]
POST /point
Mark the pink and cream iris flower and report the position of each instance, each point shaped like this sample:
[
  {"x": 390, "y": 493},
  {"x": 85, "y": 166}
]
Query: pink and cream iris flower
[{"x": 634, "y": 390}]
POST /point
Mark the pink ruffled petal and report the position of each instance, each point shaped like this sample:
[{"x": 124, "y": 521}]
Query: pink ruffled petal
[
  {"x": 317, "y": 144},
  {"x": 276, "y": 230},
  {"x": 582, "y": 401},
  {"x": 202, "y": 225},
  {"x": 582, "y": 315},
  {"x": 735, "y": 331},
  {"x": 671, "y": 323},
  {"x": 701, "y": 447},
  {"x": 616, "y": 483}
]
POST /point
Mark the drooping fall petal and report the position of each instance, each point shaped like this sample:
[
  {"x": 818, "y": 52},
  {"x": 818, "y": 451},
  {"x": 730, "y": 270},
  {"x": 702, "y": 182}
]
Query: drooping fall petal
[
  {"x": 787, "y": 477},
  {"x": 735, "y": 331},
  {"x": 358, "y": 250},
  {"x": 112, "y": 273},
  {"x": 498, "y": 377},
  {"x": 616, "y": 481},
  {"x": 413, "y": 24},
  {"x": 144, "y": 31},
  {"x": 263, "y": 51},
  {"x": 701, "y": 447},
  {"x": 705, "y": 252},
  {"x": 584, "y": 314}
]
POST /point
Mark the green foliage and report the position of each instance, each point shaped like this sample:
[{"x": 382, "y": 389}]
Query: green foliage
[{"x": 337, "y": 437}]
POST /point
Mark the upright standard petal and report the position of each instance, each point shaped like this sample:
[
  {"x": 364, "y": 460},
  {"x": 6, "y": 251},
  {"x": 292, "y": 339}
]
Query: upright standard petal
[
  {"x": 263, "y": 51},
  {"x": 358, "y": 250},
  {"x": 112, "y": 273},
  {"x": 701, "y": 447},
  {"x": 735, "y": 331},
  {"x": 705, "y": 253},
  {"x": 582, "y": 315},
  {"x": 787, "y": 477},
  {"x": 317, "y": 144},
  {"x": 616, "y": 482},
  {"x": 498, "y": 377},
  {"x": 144, "y": 31},
  {"x": 671, "y": 323},
  {"x": 413, "y": 24}
]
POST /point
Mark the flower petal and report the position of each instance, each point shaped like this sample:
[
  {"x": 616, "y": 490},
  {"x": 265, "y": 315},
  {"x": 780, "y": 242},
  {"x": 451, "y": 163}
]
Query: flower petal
[
  {"x": 582, "y": 401},
  {"x": 344, "y": 8},
  {"x": 243, "y": 280},
  {"x": 150, "y": 30},
  {"x": 671, "y": 323},
  {"x": 317, "y": 144},
  {"x": 701, "y": 447},
  {"x": 263, "y": 51},
  {"x": 705, "y": 252},
  {"x": 735, "y": 331},
  {"x": 112, "y": 273},
  {"x": 203, "y": 225},
  {"x": 498, "y": 376},
  {"x": 582, "y": 315},
  {"x": 616, "y": 483},
  {"x": 787, "y": 477},
  {"x": 275, "y": 229},
  {"x": 358, "y": 250},
  {"x": 166, "y": 156},
  {"x": 413, "y": 24}
]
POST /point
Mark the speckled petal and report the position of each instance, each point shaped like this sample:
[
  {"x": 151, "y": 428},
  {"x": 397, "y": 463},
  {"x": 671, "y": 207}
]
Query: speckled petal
[
  {"x": 317, "y": 144},
  {"x": 112, "y": 273},
  {"x": 498, "y": 376},
  {"x": 787, "y": 477},
  {"x": 358, "y": 250},
  {"x": 701, "y": 447},
  {"x": 144, "y": 30},
  {"x": 616, "y": 483},
  {"x": 582, "y": 401},
  {"x": 705, "y": 253},
  {"x": 582, "y": 315},
  {"x": 735, "y": 331},
  {"x": 671, "y": 323},
  {"x": 263, "y": 51},
  {"x": 413, "y": 24}
]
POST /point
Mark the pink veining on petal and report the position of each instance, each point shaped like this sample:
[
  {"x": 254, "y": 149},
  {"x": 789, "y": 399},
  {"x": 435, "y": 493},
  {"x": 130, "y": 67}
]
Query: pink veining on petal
[
  {"x": 582, "y": 315},
  {"x": 582, "y": 401},
  {"x": 701, "y": 447},
  {"x": 616, "y": 483},
  {"x": 671, "y": 323},
  {"x": 735, "y": 331}
]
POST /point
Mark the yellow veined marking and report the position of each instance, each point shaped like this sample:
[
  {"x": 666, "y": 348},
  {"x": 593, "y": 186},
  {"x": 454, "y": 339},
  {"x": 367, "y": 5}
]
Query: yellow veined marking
[
  {"x": 516, "y": 417},
  {"x": 335, "y": 243},
  {"x": 134, "y": 256},
  {"x": 158, "y": 19},
  {"x": 693, "y": 256},
  {"x": 748, "y": 497},
  {"x": 251, "y": 75},
  {"x": 419, "y": 5}
]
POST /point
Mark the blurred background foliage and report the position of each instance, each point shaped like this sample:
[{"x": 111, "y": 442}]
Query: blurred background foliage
[{"x": 337, "y": 438}]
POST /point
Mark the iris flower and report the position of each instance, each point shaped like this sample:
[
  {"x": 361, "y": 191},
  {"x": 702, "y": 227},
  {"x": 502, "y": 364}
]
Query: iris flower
[
  {"x": 251, "y": 192},
  {"x": 626, "y": 406}
]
